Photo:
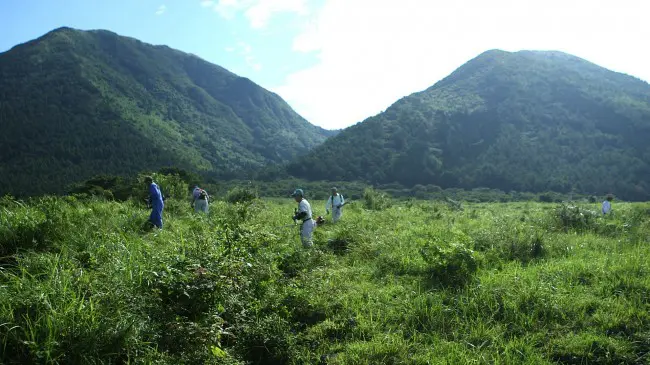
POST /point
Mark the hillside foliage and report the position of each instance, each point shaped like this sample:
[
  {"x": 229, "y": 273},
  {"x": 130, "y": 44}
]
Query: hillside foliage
[
  {"x": 74, "y": 104},
  {"x": 525, "y": 121}
]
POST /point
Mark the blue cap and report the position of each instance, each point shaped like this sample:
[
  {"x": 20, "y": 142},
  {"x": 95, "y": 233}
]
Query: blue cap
[{"x": 298, "y": 192}]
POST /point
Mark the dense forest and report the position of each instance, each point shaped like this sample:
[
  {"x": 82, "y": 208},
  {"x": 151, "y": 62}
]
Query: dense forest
[
  {"x": 524, "y": 121},
  {"x": 77, "y": 104},
  {"x": 74, "y": 104}
]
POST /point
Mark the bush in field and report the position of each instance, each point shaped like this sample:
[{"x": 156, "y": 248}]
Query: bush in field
[
  {"x": 267, "y": 341},
  {"x": 545, "y": 198},
  {"x": 172, "y": 186},
  {"x": 171, "y": 181},
  {"x": 449, "y": 261},
  {"x": 571, "y": 217},
  {"x": 109, "y": 187},
  {"x": 241, "y": 195},
  {"x": 376, "y": 200},
  {"x": 21, "y": 227},
  {"x": 36, "y": 225},
  {"x": 297, "y": 262},
  {"x": 510, "y": 240},
  {"x": 344, "y": 238}
]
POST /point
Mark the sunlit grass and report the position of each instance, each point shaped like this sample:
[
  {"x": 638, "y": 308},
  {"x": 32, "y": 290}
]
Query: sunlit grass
[{"x": 419, "y": 282}]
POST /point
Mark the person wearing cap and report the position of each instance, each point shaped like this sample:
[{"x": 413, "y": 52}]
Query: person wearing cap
[
  {"x": 200, "y": 200},
  {"x": 335, "y": 203},
  {"x": 303, "y": 213},
  {"x": 156, "y": 201},
  {"x": 607, "y": 204}
]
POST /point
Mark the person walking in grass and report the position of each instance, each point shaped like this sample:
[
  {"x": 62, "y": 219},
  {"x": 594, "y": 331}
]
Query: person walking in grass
[
  {"x": 607, "y": 204},
  {"x": 303, "y": 213},
  {"x": 156, "y": 202},
  {"x": 335, "y": 204},
  {"x": 200, "y": 200}
]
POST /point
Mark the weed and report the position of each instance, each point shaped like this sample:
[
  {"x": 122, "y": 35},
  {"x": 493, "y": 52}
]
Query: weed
[{"x": 407, "y": 283}]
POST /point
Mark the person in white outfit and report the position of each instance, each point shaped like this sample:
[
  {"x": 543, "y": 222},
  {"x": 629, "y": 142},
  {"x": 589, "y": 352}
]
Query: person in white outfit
[
  {"x": 303, "y": 214},
  {"x": 335, "y": 204},
  {"x": 200, "y": 200},
  {"x": 607, "y": 204}
]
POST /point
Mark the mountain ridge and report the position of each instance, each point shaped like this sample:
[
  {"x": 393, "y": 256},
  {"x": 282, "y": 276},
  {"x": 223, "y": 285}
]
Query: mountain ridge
[
  {"x": 104, "y": 103},
  {"x": 525, "y": 121}
]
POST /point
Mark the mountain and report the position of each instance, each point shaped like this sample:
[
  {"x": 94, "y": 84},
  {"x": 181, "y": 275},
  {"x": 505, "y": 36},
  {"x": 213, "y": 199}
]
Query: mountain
[
  {"x": 74, "y": 104},
  {"x": 526, "y": 121}
]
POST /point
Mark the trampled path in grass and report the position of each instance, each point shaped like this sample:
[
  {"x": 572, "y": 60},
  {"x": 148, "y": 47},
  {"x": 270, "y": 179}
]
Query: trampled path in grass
[{"x": 414, "y": 283}]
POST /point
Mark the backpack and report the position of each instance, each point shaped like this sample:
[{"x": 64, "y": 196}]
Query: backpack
[
  {"x": 332, "y": 198},
  {"x": 203, "y": 195}
]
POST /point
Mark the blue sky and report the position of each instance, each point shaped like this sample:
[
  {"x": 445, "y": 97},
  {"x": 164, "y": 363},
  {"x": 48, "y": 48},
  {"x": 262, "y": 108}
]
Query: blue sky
[
  {"x": 188, "y": 25},
  {"x": 338, "y": 62}
]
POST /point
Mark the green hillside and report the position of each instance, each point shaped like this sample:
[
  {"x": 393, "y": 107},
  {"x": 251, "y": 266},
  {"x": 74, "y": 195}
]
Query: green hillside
[
  {"x": 78, "y": 103},
  {"x": 524, "y": 121}
]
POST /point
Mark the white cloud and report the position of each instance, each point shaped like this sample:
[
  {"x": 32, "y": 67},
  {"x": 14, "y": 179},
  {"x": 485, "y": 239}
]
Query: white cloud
[
  {"x": 246, "y": 51},
  {"x": 371, "y": 52},
  {"x": 161, "y": 9},
  {"x": 207, "y": 3},
  {"x": 244, "y": 47},
  {"x": 258, "y": 12},
  {"x": 228, "y": 8}
]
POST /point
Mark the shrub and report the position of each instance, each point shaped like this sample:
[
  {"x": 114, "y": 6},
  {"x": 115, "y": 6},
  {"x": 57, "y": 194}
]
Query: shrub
[
  {"x": 510, "y": 240},
  {"x": 545, "y": 198},
  {"x": 241, "y": 195},
  {"x": 376, "y": 200},
  {"x": 449, "y": 262},
  {"x": 567, "y": 216},
  {"x": 110, "y": 187},
  {"x": 344, "y": 238},
  {"x": 172, "y": 186},
  {"x": 297, "y": 262},
  {"x": 21, "y": 228},
  {"x": 267, "y": 340}
]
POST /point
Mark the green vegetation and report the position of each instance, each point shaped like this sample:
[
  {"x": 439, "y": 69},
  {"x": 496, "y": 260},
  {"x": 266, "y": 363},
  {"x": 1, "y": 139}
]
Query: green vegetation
[
  {"x": 525, "y": 121},
  {"x": 356, "y": 190},
  {"x": 404, "y": 283},
  {"x": 447, "y": 280},
  {"x": 74, "y": 104}
]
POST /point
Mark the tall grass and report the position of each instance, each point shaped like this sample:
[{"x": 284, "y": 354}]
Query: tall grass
[{"x": 411, "y": 283}]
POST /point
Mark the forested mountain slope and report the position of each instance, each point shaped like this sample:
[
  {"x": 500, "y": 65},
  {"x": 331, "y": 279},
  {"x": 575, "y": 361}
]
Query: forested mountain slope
[
  {"x": 526, "y": 121},
  {"x": 74, "y": 104}
]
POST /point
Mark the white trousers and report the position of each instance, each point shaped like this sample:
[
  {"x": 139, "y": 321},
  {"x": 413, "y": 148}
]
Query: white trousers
[
  {"x": 337, "y": 213},
  {"x": 201, "y": 206},
  {"x": 306, "y": 230}
]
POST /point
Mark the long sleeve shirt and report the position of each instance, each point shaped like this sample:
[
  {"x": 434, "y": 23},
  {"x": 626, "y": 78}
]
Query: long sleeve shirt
[
  {"x": 607, "y": 207},
  {"x": 334, "y": 201},
  {"x": 155, "y": 195}
]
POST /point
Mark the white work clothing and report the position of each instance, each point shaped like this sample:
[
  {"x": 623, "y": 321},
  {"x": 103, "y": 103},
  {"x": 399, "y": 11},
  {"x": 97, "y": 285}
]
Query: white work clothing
[
  {"x": 308, "y": 224},
  {"x": 335, "y": 203},
  {"x": 200, "y": 205},
  {"x": 607, "y": 207}
]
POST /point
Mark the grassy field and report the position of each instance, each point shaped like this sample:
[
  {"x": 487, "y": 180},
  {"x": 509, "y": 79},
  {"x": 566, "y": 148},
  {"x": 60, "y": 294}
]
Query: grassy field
[{"x": 417, "y": 282}]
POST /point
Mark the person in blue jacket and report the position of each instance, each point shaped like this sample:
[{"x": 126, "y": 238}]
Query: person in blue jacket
[{"x": 156, "y": 201}]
